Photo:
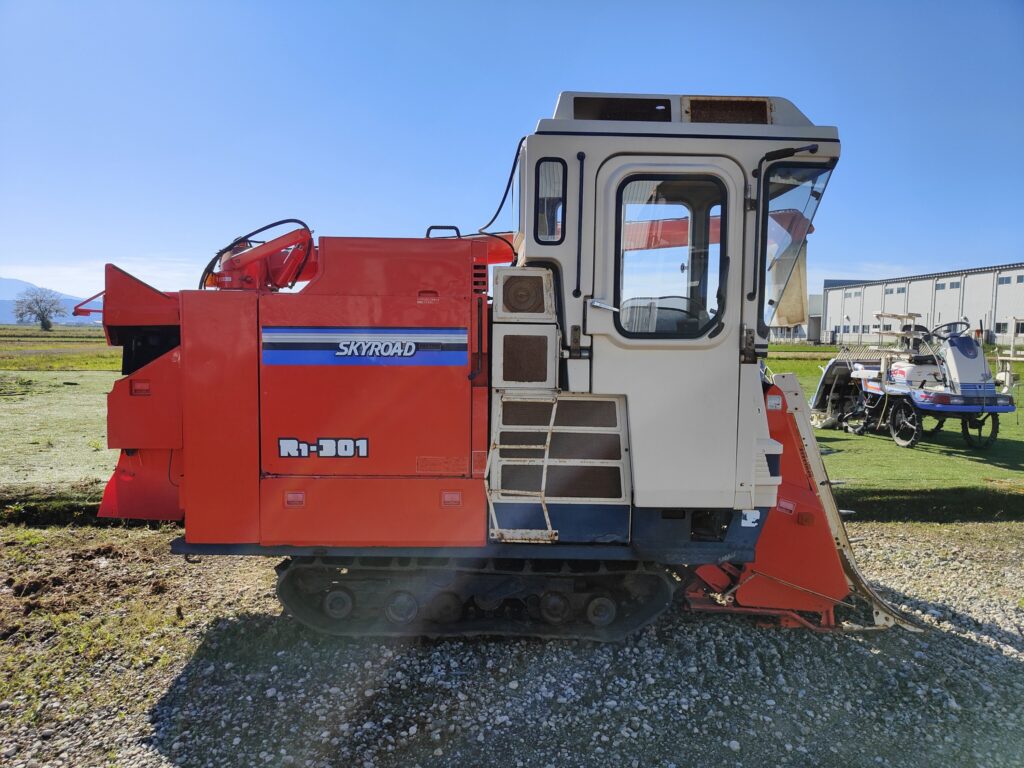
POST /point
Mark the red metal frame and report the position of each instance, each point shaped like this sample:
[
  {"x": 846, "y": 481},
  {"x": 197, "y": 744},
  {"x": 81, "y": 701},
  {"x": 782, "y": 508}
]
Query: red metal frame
[{"x": 80, "y": 310}]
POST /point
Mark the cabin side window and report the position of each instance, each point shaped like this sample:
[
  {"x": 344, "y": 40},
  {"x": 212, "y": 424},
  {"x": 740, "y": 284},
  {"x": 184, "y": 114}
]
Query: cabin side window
[{"x": 549, "y": 201}]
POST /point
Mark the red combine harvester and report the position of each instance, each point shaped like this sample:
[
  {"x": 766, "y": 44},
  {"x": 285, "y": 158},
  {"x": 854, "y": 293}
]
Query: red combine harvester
[{"x": 555, "y": 446}]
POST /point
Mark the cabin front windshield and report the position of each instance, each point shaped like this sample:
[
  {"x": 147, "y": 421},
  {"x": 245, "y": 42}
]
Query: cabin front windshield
[{"x": 794, "y": 192}]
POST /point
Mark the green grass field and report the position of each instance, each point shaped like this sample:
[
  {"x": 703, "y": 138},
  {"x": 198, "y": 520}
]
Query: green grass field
[
  {"x": 65, "y": 348},
  {"x": 52, "y": 398},
  {"x": 781, "y": 350},
  {"x": 939, "y": 479}
]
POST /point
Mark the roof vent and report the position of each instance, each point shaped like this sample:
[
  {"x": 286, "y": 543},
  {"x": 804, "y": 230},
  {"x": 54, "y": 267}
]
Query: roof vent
[
  {"x": 618, "y": 108},
  {"x": 726, "y": 110}
]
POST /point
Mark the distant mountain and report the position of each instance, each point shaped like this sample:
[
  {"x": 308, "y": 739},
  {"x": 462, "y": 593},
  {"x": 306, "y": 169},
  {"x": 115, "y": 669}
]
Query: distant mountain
[{"x": 10, "y": 289}]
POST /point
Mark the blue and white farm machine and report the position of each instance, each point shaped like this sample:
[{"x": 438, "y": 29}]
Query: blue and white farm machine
[{"x": 911, "y": 382}]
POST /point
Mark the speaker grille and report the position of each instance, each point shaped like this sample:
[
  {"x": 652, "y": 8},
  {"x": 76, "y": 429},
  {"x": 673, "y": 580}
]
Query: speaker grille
[{"x": 523, "y": 294}]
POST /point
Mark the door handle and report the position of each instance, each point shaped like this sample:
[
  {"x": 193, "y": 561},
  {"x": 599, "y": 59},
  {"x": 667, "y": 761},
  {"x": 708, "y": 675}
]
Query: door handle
[{"x": 598, "y": 304}]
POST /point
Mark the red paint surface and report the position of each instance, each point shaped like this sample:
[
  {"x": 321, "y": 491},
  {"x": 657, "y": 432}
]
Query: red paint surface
[
  {"x": 220, "y": 422},
  {"x": 144, "y": 408},
  {"x": 127, "y": 301},
  {"x": 796, "y": 544},
  {"x": 373, "y": 512},
  {"x": 144, "y": 486}
]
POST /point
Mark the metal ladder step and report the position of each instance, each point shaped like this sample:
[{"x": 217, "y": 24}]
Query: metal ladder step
[{"x": 545, "y": 535}]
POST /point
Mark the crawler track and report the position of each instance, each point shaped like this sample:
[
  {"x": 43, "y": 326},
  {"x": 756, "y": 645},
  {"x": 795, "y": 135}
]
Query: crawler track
[{"x": 428, "y": 597}]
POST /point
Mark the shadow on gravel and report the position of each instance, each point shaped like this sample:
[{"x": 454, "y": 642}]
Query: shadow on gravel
[
  {"x": 962, "y": 624},
  {"x": 688, "y": 691},
  {"x": 938, "y": 505}
]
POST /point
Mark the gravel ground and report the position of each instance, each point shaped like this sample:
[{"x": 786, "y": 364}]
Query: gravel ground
[{"x": 116, "y": 653}]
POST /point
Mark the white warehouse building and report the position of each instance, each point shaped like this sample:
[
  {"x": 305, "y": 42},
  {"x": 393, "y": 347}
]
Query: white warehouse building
[{"x": 989, "y": 298}]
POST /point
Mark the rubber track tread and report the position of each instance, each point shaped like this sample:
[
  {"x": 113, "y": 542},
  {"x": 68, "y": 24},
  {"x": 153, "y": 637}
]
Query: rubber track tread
[{"x": 363, "y": 575}]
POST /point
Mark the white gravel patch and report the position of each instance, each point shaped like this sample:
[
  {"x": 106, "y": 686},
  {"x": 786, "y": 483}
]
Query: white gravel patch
[{"x": 689, "y": 691}]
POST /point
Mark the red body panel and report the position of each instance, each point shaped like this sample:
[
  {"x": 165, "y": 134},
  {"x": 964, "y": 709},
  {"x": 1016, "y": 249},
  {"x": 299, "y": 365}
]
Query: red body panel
[
  {"x": 208, "y": 416},
  {"x": 127, "y": 301},
  {"x": 416, "y": 418},
  {"x": 372, "y": 267},
  {"x": 144, "y": 408},
  {"x": 363, "y": 512},
  {"x": 144, "y": 486},
  {"x": 796, "y": 544},
  {"x": 220, "y": 409}
]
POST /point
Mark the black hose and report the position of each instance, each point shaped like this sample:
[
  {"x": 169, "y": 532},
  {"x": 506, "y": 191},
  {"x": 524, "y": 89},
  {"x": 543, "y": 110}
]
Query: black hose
[{"x": 504, "y": 197}]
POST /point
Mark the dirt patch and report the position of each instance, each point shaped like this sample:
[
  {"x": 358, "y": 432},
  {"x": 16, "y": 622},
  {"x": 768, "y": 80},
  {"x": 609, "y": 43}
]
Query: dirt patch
[
  {"x": 71, "y": 578},
  {"x": 1007, "y": 485}
]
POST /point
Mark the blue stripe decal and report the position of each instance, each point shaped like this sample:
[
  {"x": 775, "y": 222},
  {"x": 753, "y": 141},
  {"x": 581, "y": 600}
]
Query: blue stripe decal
[
  {"x": 329, "y": 357},
  {"x": 348, "y": 346}
]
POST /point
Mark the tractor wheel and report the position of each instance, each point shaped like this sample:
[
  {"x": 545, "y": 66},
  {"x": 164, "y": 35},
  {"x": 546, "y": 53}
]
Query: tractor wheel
[
  {"x": 936, "y": 429},
  {"x": 980, "y": 431},
  {"x": 905, "y": 424}
]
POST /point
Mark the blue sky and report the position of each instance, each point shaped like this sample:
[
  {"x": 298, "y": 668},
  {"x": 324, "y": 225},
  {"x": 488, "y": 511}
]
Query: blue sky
[{"x": 149, "y": 134}]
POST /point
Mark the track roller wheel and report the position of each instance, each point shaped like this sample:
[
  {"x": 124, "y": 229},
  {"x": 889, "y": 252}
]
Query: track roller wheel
[
  {"x": 601, "y": 611},
  {"x": 338, "y": 603},
  {"x": 489, "y": 604},
  {"x": 905, "y": 424},
  {"x": 393, "y": 598},
  {"x": 555, "y": 607},
  {"x": 401, "y": 608},
  {"x": 446, "y": 608},
  {"x": 980, "y": 431}
]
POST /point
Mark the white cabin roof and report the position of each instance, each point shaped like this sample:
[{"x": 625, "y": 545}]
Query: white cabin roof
[{"x": 658, "y": 113}]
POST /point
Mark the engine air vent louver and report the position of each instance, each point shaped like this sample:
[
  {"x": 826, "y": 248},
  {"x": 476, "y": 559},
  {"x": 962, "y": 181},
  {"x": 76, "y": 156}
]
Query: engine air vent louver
[
  {"x": 622, "y": 108},
  {"x": 749, "y": 111}
]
